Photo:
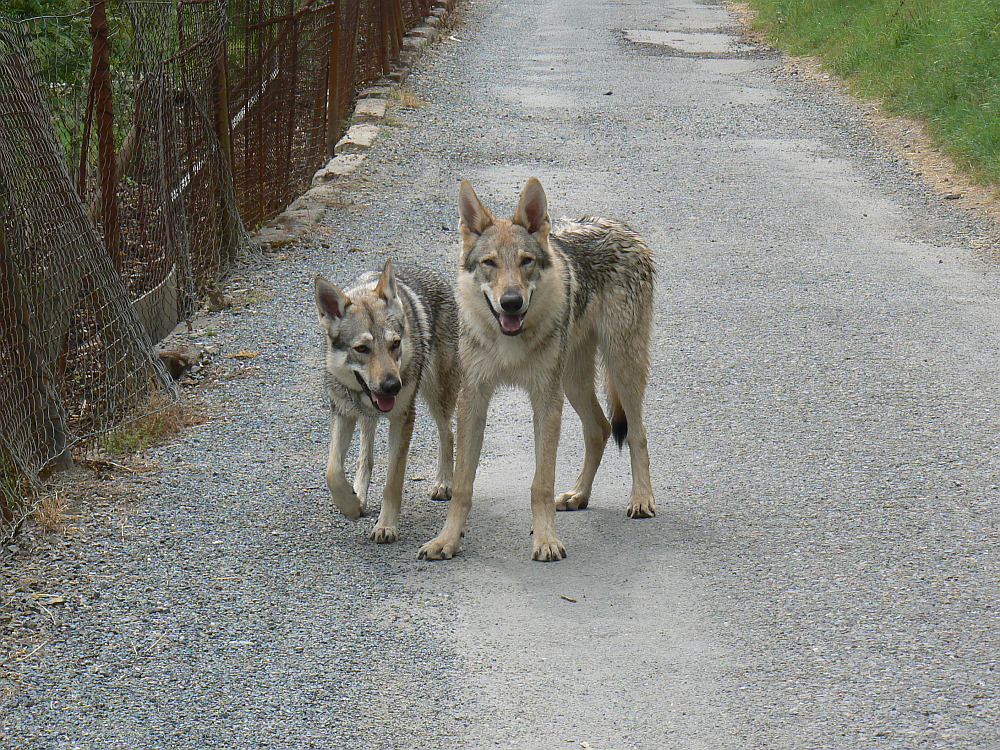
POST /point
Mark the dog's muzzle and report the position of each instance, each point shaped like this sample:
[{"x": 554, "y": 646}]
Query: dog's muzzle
[
  {"x": 385, "y": 398},
  {"x": 510, "y": 319}
]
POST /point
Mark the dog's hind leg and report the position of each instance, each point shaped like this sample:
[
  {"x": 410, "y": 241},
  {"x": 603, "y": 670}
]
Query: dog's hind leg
[
  {"x": 441, "y": 404},
  {"x": 578, "y": 382},
  {"x": 341, "y": 431},
  {"x": 366, "y": 458},
  {"x": 628, "y": 378},
  {"x": 400, "y": 430},
  {"x": 446, "y": 458}
]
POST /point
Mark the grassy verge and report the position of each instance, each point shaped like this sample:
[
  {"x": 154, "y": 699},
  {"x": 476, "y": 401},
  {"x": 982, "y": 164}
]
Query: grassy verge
[{"x": 936, "y": 60}]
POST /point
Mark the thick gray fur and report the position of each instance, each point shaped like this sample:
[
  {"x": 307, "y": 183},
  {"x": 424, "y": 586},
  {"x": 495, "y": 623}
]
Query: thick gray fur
[{"x": 398, "y": 328}]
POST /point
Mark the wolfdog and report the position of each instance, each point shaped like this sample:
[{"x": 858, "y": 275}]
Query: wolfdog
[
  {"x": 536, "y": 303},
  {"x": 388, "y": 337}
]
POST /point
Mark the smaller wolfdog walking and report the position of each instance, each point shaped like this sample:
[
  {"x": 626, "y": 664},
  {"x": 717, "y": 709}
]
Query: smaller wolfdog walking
[
  {"x": 536, "y": 304},
  {"x": 388, "y": 337}
]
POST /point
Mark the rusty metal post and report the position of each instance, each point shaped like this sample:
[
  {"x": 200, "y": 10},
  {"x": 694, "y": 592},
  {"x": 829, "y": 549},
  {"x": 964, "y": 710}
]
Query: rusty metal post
[
  {"x": 100, "y": 81},
  {"x": 352, "y": 57},
  {"x": 383, "y": 18},
  {"x": 228, "y": 222},
  {"x": 292, "y": 64},
  {"x": 348, "y": 73},
  {"x": 335, "y": 83},
  {"x": 398, "y": 27}
]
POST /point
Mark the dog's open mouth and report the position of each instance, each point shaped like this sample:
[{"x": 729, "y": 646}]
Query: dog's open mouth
[
  {"x": 509, "y": 324},
  {"x": 382, "y": 403}
]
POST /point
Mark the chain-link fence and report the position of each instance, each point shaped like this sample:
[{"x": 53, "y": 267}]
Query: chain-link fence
[{"x": 139, "y": 140}]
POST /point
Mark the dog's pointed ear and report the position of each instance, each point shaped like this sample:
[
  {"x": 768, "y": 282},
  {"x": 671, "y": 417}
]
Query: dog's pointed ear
[
  {"x": 533, "y": 208},
  {"x": 330, "y": 302},
  {"x": 475, "y": 217},
  {"x": 386, "y": 287}
]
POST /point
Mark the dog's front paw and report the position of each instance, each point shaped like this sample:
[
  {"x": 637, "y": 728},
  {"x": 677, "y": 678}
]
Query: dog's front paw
[
  {"x": 550, "y": 551},
  {"x": 572, "y": 501},
  {"x": 438, "y": 549},
  {"x": 641, "y": 507},
  {"x": 362, "y": 495},
  {"x": 441, "y": 491},
  {"x": 384, "y": 534}
]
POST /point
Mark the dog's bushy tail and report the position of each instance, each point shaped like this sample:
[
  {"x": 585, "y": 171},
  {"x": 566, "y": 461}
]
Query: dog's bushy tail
[{"x": 619, "y": 423}]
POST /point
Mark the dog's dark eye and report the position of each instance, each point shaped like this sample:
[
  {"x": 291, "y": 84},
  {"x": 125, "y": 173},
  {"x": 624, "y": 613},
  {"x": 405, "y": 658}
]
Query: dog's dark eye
[
  {"x": 527, "y": 261},
  {"x": 490, "y": 262},
  {"x": 394, "y": 345},
  {"x": 361, "y": 349}
]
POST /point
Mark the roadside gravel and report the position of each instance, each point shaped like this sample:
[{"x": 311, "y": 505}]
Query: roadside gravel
[
  {"x": 822, "y": 414},
  {"x": 212, "y": 598}
]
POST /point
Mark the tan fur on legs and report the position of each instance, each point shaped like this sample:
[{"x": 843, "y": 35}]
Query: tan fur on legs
[
  {"x": 547, "y": 408},
  {"x": 619, "y": 423},
  {"x": 578, "y": 382},
  {"x": 341, "y": 431},
  {"x": 535, "y": 299},
  {"x": 444, "y": 479},
  {"x": 473, "y": 401},
  {"x": 441, "y": 394},
  {"x": 400, "y": 431},
  {"x": 631, "y": 383},
  {"x": 366, "y": 458}
]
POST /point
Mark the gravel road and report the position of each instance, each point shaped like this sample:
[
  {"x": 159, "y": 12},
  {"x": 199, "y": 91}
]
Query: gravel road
[{"x": 822, "y": 417}]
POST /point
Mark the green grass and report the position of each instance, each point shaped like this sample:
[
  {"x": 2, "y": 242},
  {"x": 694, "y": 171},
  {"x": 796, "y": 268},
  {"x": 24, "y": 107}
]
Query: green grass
[{"x": 937, "y": 60}]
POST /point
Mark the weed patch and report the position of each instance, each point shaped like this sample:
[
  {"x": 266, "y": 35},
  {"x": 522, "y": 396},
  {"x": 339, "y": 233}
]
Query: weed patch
[
  {"x": 163, "y": 420},
  {"x": 407, "y": 99}
]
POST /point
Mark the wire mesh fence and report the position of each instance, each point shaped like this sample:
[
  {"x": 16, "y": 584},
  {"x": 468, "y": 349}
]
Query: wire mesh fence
[{"x": 139, "y": 141}]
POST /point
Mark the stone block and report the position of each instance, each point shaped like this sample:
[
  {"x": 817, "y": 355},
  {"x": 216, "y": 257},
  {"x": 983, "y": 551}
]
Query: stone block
[
  {"x": 414, "y": 43},
  {"x": 370, "y": 109},
  {"x": 423, "y": 32},
  {"x": 273, "y": 237},
  {"x": 338, "y": 167},
  {"x": 376, "y": 92},
  {"x": 357, "y": 139}
]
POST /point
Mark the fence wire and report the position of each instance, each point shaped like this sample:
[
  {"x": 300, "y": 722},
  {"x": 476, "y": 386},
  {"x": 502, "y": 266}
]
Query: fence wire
[{"x": 139, "y": 140}]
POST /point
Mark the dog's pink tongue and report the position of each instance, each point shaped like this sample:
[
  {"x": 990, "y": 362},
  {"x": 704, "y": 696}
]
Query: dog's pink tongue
[
  {"x": 510, "y": 323},
  {"x": 384, "y": 403}
]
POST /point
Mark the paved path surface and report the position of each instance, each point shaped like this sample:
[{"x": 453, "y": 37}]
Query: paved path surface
[{"x": 822, "y": 417}]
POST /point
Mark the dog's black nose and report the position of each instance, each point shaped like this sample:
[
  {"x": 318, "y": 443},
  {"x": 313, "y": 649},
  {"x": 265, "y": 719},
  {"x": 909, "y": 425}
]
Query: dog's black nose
[
  {"x": 390, "y": 385},
  {"x": 511, "y": 302}
]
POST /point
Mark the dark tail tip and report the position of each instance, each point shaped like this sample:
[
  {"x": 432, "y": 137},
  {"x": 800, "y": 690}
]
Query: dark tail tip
[{"x": 619, "y": 431}]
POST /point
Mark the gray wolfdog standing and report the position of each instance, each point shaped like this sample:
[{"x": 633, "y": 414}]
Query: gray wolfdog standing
[
  {"x": 536, "y": 304},
  {"x": 388, "y": 337}
]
